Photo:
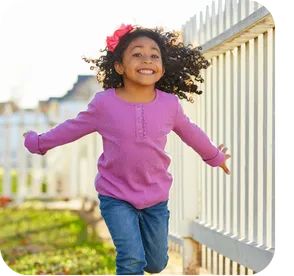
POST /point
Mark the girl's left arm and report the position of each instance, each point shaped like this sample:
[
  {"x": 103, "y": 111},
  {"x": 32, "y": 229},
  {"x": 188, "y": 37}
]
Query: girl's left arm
[
  {"x": 85, "y": 123},
  {"x": 196, "y": 138}
]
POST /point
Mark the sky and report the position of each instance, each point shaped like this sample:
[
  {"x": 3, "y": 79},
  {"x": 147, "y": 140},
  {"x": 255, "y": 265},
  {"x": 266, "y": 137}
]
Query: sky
[{"x": 42, "y": 41}]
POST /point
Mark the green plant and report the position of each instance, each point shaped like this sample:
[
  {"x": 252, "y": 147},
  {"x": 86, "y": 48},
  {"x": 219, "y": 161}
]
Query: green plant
[{"x": 35, "y": 242}]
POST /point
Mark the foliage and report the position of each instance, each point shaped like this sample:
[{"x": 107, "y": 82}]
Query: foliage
[{"x": 36, "y": 242}]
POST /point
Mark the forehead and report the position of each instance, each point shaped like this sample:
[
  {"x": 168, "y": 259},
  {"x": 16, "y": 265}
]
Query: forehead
[{"x": 143, "y": 42}]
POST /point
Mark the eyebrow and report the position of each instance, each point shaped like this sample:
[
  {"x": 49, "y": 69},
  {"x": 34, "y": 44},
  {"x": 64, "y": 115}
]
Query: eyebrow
[{"x": 139, "y": 46}]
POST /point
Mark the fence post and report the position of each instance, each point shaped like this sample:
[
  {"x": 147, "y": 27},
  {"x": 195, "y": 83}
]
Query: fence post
[
  {"x": 192, "y": 257},
  {"x": 73, "y": 172},
  {"x": 275, "y": 52},
  {"x": 7, "y": 189},
  {"x": 22, "y": 160},
  {"x": 36, "y": 185},
  {"x": 190, "y": 201}
]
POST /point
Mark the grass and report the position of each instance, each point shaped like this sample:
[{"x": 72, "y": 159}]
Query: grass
[{"x": 36, "y": 242}]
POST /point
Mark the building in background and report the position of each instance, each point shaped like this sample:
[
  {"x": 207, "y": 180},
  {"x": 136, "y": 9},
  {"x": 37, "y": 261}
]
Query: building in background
[
  {"x": 74, "y": 101},
  {"x": 10, "y": 104}
]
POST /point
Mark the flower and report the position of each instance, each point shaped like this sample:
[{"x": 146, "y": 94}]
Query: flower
[
  {"x": 113, "y": 40},
  {"x": 4, "y": 201}
]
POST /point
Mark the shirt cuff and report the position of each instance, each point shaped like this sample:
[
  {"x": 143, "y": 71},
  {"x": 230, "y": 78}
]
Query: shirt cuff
[
  {"x": 32, "y": 143},
  {"x": 217, "y": 160}
]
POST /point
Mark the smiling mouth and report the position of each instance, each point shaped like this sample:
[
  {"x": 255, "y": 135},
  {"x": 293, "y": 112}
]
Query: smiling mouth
[{"x": 146, "y": 72}]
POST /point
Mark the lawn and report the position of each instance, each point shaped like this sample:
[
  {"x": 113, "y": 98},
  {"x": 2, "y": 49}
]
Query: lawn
[{"x": 36, "y": 242}]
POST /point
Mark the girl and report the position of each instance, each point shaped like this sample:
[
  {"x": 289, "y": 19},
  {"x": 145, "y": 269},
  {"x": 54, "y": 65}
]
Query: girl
[{"x": 143, "y": 72}]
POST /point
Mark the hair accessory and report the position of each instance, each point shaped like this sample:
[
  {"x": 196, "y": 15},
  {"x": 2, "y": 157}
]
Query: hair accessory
[{"x": 113, "y": 40}]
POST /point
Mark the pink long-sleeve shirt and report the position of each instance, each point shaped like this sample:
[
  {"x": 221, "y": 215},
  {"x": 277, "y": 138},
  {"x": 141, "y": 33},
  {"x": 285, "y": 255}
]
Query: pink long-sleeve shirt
[{"x": 134, "y": 165}]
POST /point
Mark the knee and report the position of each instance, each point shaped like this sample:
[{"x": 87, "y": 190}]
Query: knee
[{"x": 156, "y": 267}]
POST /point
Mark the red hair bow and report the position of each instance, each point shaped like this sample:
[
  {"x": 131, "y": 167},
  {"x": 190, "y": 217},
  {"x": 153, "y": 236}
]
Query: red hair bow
[{"x": 113, "y": 40}]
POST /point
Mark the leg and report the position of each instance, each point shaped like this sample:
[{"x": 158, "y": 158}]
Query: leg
[
  {"x": 154, "y": 229},
  {"x": 122, "y": 221}
]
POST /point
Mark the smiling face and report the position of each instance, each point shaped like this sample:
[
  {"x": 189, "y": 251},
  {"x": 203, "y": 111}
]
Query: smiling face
[{"x": 141, "y": 63}]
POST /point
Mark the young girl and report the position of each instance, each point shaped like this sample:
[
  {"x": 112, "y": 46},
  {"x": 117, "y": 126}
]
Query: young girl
[{"x": 144, "y": 72}]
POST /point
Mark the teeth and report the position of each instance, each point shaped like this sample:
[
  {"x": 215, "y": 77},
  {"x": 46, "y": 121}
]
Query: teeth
[{"x": 146, "y": 72}]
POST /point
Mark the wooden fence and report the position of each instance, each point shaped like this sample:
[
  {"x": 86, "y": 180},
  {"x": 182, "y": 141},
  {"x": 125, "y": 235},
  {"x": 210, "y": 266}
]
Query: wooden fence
[{"x": 229, "y": 220}]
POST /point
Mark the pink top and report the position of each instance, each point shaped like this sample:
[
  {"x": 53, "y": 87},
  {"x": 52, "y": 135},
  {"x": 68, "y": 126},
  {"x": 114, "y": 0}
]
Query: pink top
[{"x": 133, "y": 166}]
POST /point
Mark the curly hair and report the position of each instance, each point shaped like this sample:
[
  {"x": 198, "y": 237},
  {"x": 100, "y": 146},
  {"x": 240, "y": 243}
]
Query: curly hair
[{"x": 182, "y": 63}]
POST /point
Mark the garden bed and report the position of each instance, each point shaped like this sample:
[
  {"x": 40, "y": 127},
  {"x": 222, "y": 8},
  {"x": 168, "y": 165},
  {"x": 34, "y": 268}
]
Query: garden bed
[{"x": 58, "y": 242}]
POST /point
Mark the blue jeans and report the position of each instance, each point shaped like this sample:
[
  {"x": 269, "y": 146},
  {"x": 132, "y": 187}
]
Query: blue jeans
[{"x": 140, "y": 236}]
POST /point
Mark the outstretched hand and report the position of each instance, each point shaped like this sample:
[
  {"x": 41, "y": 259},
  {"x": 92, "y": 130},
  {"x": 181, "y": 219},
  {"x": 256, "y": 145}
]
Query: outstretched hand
[
  {"x": 223, "y": 165},
  {"x": 24, "y": 135}
]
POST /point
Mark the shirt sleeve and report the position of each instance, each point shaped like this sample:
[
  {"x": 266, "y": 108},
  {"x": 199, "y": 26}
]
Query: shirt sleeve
[
  {"x": 64, "y": 133},
  {"x": 194, "y": 137}
]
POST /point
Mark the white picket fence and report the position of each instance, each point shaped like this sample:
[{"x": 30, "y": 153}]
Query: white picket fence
[
  {"x": 67, "y": 172},
  {"x": 230, "y": 219},
  {"x": 222, "y": 223}
]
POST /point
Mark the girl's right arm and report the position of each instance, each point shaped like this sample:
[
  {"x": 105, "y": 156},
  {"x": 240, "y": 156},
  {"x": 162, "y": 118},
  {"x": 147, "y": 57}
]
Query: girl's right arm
[
  {"x": 197, "y": 139},
  {"x": 66, "y": 132}
]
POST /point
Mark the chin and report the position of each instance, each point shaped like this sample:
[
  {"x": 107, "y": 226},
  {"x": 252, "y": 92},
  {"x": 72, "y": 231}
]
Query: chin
[{"x": 147, "y": 82}]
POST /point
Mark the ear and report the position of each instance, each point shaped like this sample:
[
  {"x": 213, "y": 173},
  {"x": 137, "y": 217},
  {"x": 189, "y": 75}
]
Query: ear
[{"x": 118, "y": 68}]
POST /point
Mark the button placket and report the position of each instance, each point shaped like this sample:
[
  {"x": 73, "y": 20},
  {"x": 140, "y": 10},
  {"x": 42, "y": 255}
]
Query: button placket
[
  {"x": 143, "y": 122},
  {"x": 140, "y": 122}
]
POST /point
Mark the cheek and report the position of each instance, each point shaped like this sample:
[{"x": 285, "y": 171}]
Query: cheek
[
  {"x": 130, "y": 63},
  {"x": 162, "y": 70},
  {"x": 160, "y": 64}
]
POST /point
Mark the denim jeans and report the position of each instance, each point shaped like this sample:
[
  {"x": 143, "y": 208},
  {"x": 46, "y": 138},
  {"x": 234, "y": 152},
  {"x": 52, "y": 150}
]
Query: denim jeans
[{"x": 140, "y": 236}]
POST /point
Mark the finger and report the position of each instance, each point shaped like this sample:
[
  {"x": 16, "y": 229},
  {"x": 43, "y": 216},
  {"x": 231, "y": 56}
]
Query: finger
[
  {"x": 220, "y": 146},
  {"x": 226, "y": 170},
  {"x": 228, "y": 156},
  {"x": 225, "y": 150}
]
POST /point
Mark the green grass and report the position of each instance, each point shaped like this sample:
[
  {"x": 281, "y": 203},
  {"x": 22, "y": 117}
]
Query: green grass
[{"x": 34, "y": 241}]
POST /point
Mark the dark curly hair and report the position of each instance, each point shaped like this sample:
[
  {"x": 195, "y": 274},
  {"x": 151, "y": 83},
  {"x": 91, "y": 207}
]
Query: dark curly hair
[{"x": 182, "y": 63}]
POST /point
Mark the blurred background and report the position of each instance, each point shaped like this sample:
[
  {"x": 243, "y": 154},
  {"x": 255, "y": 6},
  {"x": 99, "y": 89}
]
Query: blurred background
[
  {"x": 42, "y": 47},
  {"x": 42, "y": 41}
]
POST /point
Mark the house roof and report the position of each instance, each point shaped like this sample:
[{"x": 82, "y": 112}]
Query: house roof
[
  {"x": 83, "y": 89},
  {"x": 14, "y": 107}
]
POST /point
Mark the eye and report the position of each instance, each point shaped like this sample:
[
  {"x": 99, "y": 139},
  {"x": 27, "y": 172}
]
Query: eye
[
  {"x": 137, "y": 55},
  {"x": 155, "y": 56}
]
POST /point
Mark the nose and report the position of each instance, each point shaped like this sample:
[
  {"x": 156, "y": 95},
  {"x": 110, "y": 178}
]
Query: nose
[{"x": 146, "y": 60}]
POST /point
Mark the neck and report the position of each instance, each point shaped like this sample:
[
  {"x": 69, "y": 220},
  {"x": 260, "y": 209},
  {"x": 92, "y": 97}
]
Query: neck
[{"x": 138, "y": 92}]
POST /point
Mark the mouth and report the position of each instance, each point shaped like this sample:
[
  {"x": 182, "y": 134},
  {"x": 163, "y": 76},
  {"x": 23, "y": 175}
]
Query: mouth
[{"x": 146, "y": 71}]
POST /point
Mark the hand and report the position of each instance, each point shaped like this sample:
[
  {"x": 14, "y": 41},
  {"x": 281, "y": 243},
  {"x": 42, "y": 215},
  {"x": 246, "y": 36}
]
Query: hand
[
  {"x": 223, "y": 165},
  {"x": 25, "y": 134}
]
